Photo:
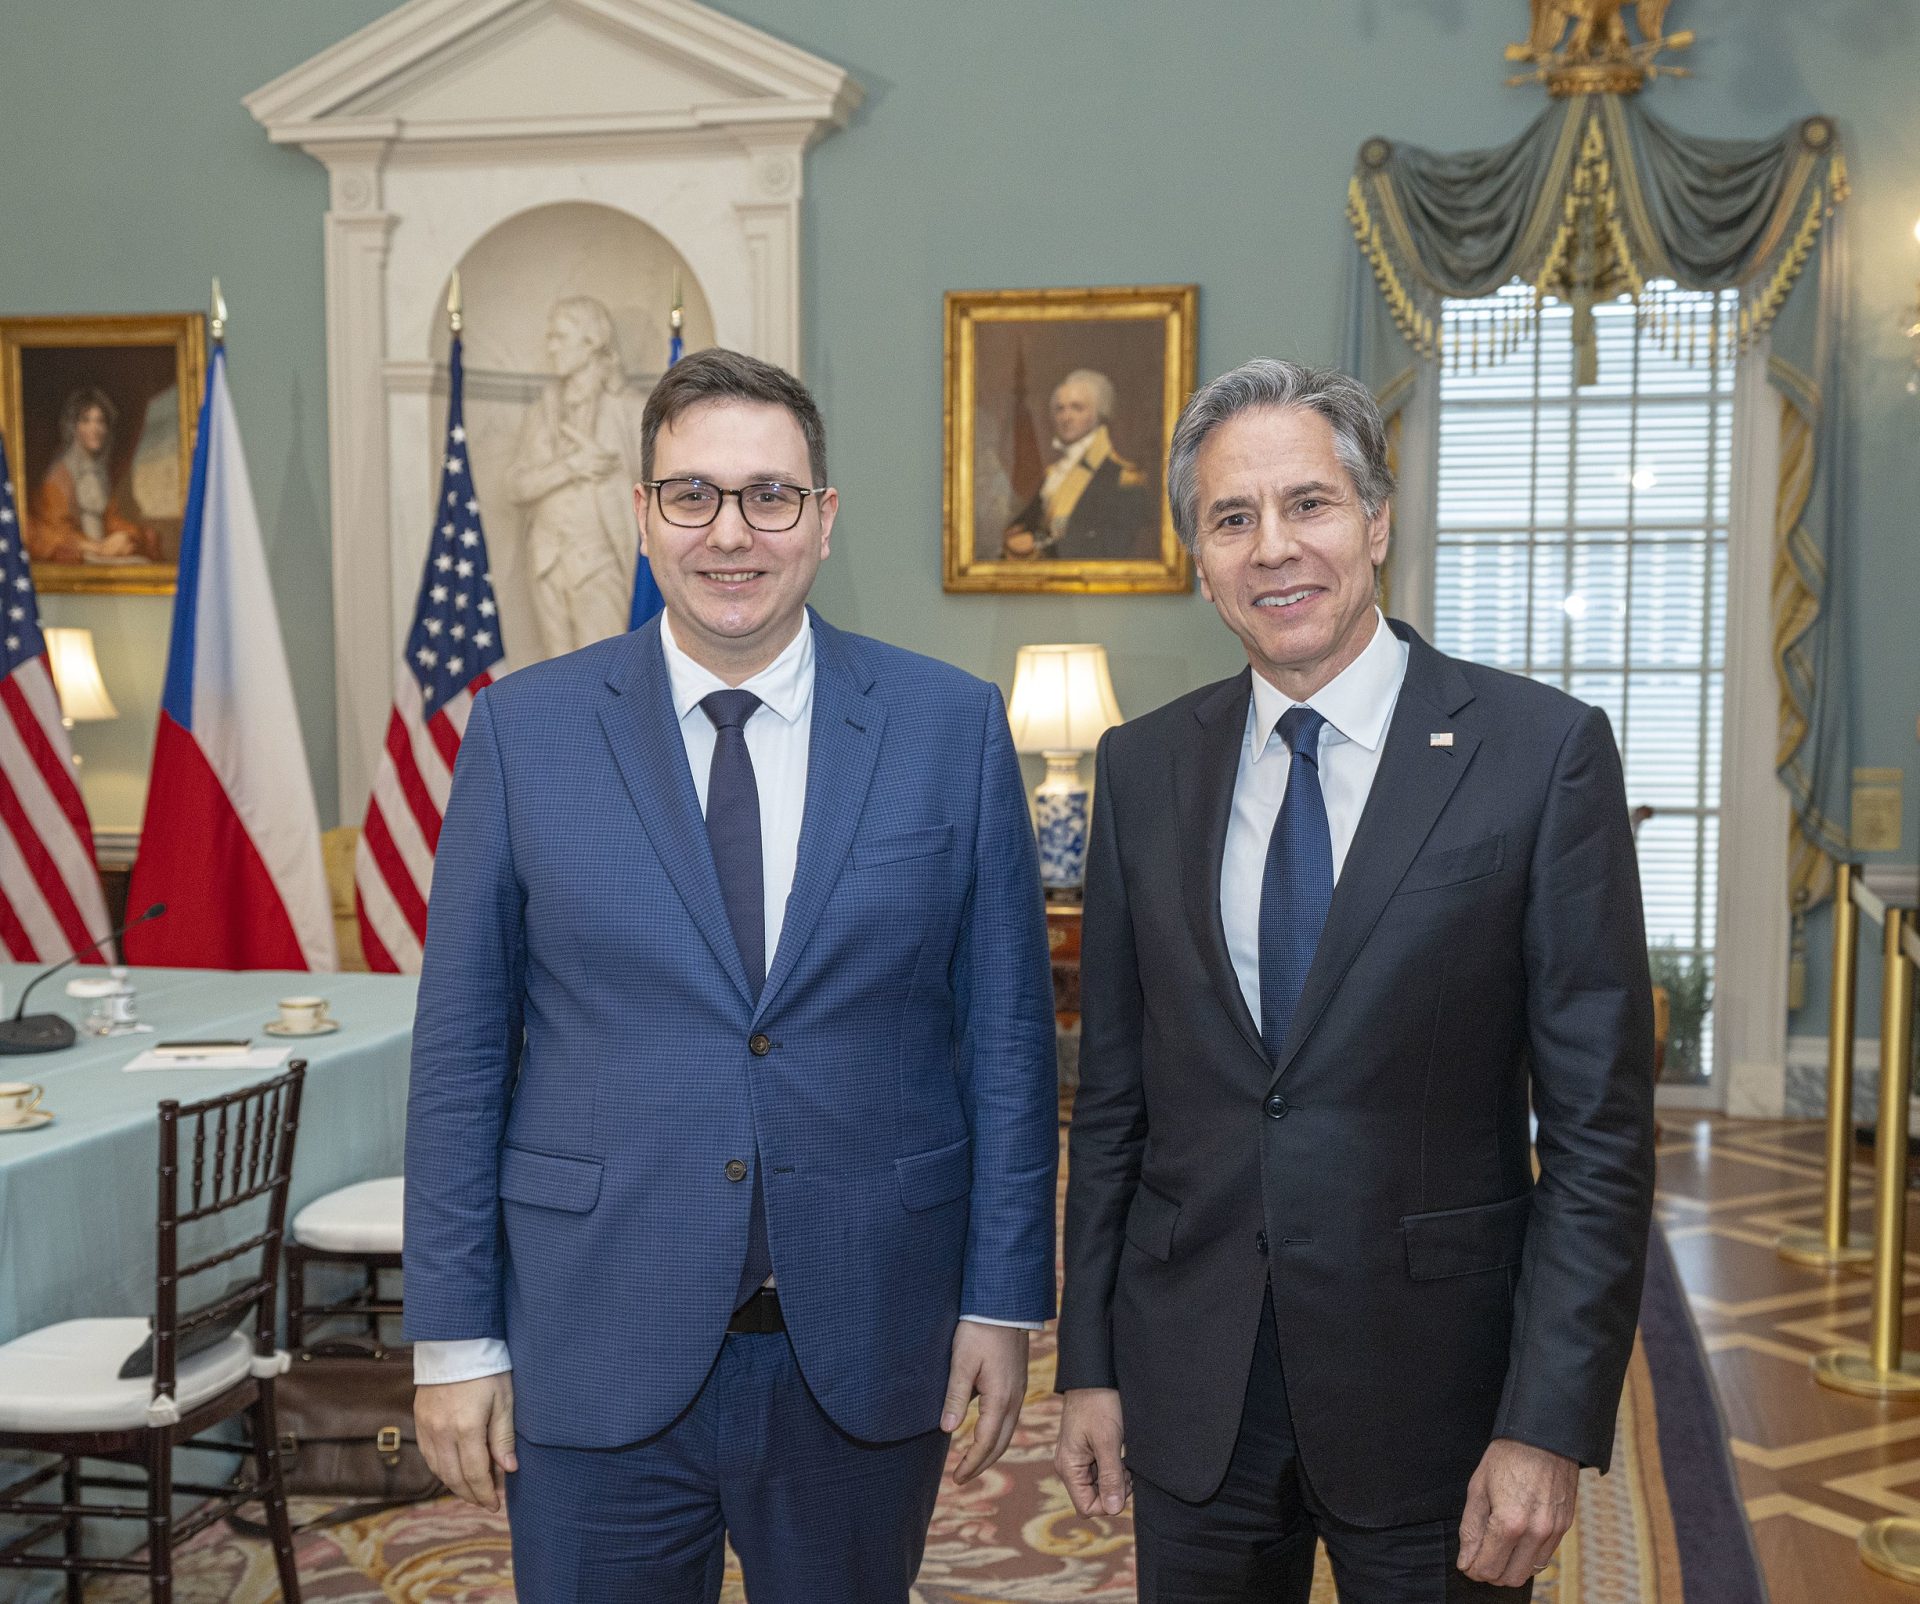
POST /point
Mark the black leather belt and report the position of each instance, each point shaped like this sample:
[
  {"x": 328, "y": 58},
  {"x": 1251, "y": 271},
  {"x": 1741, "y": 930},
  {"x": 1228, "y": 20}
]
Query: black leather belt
[{"x": 760, "y": 1315}]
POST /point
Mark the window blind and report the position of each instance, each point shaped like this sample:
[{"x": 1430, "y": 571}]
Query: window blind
[{"x": 1582, "y": 540}]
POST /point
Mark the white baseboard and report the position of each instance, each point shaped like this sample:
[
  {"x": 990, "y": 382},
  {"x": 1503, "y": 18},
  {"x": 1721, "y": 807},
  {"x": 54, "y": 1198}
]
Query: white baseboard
[{"x": 1804, "y": 1093}]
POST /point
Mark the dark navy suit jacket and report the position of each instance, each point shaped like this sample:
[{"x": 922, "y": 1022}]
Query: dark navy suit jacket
[
  {"x": 585, "y": 1068},
  {"x": 1484, "y": 954}
]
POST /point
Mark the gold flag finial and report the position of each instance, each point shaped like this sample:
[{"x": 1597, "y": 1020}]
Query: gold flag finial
[
  {"x": 1582, "y": 47},
  {"x": 453, "y": 303},
  {"x": 218, "y": 320},
  {"x": 677, "y": 317}
]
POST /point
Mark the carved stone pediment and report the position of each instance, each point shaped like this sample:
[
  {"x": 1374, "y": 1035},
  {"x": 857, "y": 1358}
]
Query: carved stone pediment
[{"x": 450, "y": 71}]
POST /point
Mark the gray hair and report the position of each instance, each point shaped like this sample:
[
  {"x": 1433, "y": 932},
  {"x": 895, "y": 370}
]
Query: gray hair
[
  {"x": 1098, "y": 383},
  {"x": 1359, "y": 433}
]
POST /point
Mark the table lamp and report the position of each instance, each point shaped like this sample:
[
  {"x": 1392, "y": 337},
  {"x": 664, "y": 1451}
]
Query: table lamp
[
  {"x": 1062, "y": 703},
  {"x": 76, "y": 677}
]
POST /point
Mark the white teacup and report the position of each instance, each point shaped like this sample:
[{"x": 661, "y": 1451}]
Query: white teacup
[
  {"x": 303, "y": 1013},
  {"x": 19, "y": 1101}
]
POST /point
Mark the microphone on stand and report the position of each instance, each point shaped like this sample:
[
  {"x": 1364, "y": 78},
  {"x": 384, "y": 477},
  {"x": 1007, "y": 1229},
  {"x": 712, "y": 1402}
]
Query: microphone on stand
[{"x": 48, "y": 1033}]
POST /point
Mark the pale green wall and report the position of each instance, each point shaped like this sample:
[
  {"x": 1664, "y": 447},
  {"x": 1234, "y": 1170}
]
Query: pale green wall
[
  {"x": 1003, "y": 143},
  {"x": 132, "y": 175}
]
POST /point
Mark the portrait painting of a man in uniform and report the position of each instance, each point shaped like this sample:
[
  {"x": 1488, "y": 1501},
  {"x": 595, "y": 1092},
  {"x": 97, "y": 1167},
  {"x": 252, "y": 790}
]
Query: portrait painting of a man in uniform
[{"x": 1059, "y": 404}]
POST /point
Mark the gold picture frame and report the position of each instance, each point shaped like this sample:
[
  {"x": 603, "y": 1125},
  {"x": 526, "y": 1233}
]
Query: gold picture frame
[
  {"x": 98, "y": 413},
  {"x": 1091, "y": 517}
]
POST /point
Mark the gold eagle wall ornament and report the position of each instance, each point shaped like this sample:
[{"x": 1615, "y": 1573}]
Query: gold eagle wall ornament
[{"x": 1582, "y": 47}]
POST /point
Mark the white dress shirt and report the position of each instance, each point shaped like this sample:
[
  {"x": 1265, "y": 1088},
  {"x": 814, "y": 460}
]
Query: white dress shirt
[
  {"x": 1357, "y": 704},
  {"x": 779, "y": 736}
]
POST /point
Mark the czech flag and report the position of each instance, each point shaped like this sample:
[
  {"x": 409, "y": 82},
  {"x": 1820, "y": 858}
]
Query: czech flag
[{"x": 231, "y": 839}]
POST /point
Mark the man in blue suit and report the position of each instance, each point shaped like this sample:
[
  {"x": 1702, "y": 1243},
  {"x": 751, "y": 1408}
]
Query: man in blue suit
[{"x": 731, "y": 1140}]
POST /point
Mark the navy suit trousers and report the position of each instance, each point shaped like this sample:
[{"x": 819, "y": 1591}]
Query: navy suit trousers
[
  {"x": 1253, "y": 1542},
  {"x": 813, "y": 1514}
]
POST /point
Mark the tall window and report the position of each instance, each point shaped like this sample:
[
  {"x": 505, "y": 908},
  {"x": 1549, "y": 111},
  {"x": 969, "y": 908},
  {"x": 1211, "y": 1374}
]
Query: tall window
[{"x": 1582, "y": 540}]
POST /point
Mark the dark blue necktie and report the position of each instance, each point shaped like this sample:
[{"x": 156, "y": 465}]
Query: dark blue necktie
[
  {"x": 733, "y": 831},
  {"x": 733, "y": 828},
  {"x": 1298, "y": 886}
]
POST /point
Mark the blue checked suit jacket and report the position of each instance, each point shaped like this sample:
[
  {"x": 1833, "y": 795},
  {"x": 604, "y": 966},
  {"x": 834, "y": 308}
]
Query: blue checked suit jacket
[{"x": 582, "y": 1074}]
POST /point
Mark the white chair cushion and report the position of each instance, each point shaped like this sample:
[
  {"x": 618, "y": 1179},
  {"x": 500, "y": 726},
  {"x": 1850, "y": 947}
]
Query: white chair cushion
[
  {"x": 66, "y": 1377},
  {"x": 356, "y": 1219}
]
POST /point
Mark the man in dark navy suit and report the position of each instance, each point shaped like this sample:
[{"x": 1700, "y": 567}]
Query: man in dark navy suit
[
  {"x": 1347, "y": 915},
  {"x": 732, "y": 1134}
]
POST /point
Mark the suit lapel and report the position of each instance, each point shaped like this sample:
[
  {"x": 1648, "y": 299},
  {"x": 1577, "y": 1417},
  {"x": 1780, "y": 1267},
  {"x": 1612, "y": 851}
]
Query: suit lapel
[
  {"x": 638, "y": 718},
  {"x": 1411, "y": 787},
  {"x": 843, "y": 746},
  {"x": 1203, "y": 783}
]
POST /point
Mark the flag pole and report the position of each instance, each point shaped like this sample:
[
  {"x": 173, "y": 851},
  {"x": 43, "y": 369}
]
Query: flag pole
[
  {"x": 218, "y": 321},
  {"x": 453, "y": 303}
]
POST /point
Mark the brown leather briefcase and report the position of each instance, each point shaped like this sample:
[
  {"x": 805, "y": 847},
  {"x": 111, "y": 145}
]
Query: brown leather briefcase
[{"x": 345, "y": 1414}]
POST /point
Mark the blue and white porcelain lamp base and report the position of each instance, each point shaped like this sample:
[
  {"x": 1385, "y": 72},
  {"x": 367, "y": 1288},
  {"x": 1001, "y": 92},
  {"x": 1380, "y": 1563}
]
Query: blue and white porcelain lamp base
[{"x": 1060, "y": 818}]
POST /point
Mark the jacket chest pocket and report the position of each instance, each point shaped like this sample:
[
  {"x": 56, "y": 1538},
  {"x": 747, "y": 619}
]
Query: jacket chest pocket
[
  {"x": 1455, "y": 866},
  {"x": 909, "y": 849}
]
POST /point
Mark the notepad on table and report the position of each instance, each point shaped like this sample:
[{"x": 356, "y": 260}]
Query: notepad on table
[{"x": 252, "y": 1058}]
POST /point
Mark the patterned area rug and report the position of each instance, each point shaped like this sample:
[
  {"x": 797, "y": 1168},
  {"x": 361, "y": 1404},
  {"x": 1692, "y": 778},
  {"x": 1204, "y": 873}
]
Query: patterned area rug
[{"x": 1012, "y": 1537}]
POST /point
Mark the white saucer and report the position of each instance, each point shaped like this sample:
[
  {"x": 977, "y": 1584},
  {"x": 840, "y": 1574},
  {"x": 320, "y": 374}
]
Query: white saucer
[
  {"x": 273, "y": 1027},
  {"x": 33, "y": 1122}
]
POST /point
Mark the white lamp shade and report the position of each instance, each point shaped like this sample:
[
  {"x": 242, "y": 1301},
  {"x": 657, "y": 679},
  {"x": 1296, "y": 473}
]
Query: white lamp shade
[
  {"x": 76, "y": 676},
  {"x": 1062, "y": 700}
]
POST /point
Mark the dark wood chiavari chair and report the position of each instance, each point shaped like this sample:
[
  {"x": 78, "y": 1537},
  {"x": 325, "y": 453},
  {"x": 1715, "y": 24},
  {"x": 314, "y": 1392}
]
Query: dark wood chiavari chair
[{"x": 63, "y": 1390}]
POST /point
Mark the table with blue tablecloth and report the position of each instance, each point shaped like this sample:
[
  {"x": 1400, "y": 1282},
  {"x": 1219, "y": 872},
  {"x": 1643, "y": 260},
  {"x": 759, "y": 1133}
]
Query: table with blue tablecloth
[{"x": 77, "y": 1196}]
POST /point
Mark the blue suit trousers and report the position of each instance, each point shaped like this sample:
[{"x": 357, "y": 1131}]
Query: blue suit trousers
[{"x": 814, "y": 1514}]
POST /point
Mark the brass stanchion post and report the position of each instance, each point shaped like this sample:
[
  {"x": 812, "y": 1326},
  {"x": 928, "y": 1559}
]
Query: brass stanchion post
[
  {"x": 1834, "y": 1244},
  {"x": 1892, "y": 1545},
  {"x": 1884, "y": 1371}
]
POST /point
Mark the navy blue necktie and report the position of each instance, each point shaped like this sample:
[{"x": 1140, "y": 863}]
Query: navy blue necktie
[
  {"x": 733, "y": 831},
  {"x": 1298, "y": 886},
  {"x": 733, "y": 827}
]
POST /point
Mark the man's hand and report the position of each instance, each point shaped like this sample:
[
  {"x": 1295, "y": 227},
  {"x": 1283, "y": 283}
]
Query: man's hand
[
  {"x": 466, "y": 1434},
  {"x": 992, "y": 1362},
  {"x": 1519, "y": 1506},
  {"x": 1087, "y": 1457}
]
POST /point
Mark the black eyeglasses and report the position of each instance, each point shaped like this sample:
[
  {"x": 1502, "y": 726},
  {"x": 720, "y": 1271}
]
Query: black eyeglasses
[{"x": 769, "y": 506}]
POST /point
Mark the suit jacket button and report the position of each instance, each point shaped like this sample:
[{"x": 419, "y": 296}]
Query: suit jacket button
[
  {"x": 759, "y": 1044},
  {"x": 1260, "y": 1242},
  {"x": 736, "y": 1169},
  {"x": 1277, "y": 1107}
]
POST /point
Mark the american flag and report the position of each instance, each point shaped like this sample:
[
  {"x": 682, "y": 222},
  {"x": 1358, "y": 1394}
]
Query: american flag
[
  {"x": 451, "y": 652},
  {"x": 50, "y": 898}
]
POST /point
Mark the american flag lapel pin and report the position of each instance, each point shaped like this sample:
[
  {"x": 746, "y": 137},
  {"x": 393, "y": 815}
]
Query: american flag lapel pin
[{"x": 1440, "y": 738}]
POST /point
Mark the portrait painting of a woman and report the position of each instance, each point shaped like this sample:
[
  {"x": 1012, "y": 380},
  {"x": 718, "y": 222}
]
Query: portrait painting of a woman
[
  {"x": 98, "y": 414},
  {"x": 79, "y": 514}
]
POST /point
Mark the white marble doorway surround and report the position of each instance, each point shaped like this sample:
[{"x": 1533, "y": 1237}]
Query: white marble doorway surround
[{"x": 445, "y": 120}]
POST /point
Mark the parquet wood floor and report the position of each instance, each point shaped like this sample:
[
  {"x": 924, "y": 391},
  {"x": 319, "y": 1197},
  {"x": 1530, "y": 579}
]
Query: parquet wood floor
[{"x": 1815, "y": 1466}]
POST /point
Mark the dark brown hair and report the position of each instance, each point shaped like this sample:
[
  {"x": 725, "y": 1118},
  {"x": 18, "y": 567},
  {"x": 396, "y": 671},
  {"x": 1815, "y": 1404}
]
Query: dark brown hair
[
  {"x": 78, "y": 405},
  {"x": 717, "y": 374}
]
